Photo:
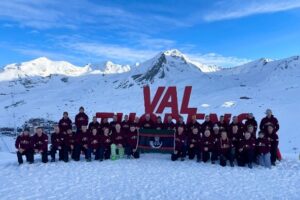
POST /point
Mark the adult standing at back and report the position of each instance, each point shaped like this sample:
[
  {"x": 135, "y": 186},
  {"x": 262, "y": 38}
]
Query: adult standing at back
[
  {"x": 81, "y": 119},
  {"x": 269, "y": 120}
]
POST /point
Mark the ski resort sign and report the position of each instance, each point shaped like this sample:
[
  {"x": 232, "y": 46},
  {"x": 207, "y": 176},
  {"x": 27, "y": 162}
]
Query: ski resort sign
[{"x": 167, "y": 98}]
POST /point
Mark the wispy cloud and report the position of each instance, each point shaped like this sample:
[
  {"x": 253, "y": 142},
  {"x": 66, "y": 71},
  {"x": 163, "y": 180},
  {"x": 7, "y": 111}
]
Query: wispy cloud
[
  {"x": 217, "y": 59},
  {"x": 236, "y": 9},
  {"x": 112, "y": 51}
]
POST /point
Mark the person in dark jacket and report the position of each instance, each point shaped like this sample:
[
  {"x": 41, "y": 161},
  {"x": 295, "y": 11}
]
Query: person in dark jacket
[
  {"x": 225, "y": 147},
  {"x": 159, "y": 125},
  {"x": 169, "y": 125},
  {"x": 216, "y": 135},
  {"x": 180, "y": 148},
  {"x": 69, "y": 145},
  {"x": 180, "y": 122},
  {"x": 207, "y": 145},
  {"x": 193, "y": 123},
  {"x": 113, "y": 123},
  {"x": 193, "y": 142},
  {"x": 125, "y": 124},
  {"x": 82, "y": 143},
  {"x": 147, "y": 123},
  {"x": 40, "y": 144},
  {"x": 235, "y": 135},
  {"x": 57, "y": 139},
  {"x": 269, "y": 120},
  {"x": 24, "y": 146},
  {"x": 273, "y": 138},
  {"x": 246, "y": 150},
  {"x": 222, "y": 124},
  {"x": 235, "y": 121},
  {"x": 94, "y": 124},
  {"x": 263, "y": 147},
  {"x": 81, "y": 119},
  {"x": 105, "y": 142},
  {"x": 65, "y": 123},
  {"x": 207, "y": 124},
  {"x": 131, "y": 139},
  {"x": 251, "y": 121},
  {"x": 94, "y": 146}
]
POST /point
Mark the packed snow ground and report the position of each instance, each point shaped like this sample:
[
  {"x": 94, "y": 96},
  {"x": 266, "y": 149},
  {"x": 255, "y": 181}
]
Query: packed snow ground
[{"x": 153, "y": 176}]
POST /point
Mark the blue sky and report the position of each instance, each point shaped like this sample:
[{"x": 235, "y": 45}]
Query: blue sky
[{"x": 221, "y": 32}]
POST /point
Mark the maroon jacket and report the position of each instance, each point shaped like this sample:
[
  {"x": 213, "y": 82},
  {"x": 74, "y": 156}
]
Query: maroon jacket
[
  {"x": 207, "y": 142},
  {"x": 93, "y": 125},
  {"x": 125, "y": 125},
  {"x": 147, "y": 124},
  {"x": 69, "y": 140},
  {"x": 247, "y": 144},
  {"x": 252, "y": 122},
  {"x": 23, "y": 142},
  {"x": 224, "y": 145},
  {"x": 159, "y": 126},
  {"x": 40, "y": 143},
  {"x": 81, "y": 119},
  {"x": 105, "y": 141},
  {"x": 235, "y": 138},
  {"x": 118, "y": 138},
  {"x": 241, "y": 126},
  {"x": 65, "y": 124},
  {"x": 194, "y": 139},
  {"x": 131, "y": 138},
  {"x": 112, "y": 125},
  {"x": 216, "y": 139},
  {"x": 263, "y": 145},
  {"x": 265, "y": 121},
  {"x": 57, "y": 139},
  {"x": 273, "y": 138},
  {"x": 180, "y": 141},
  {"x": 223, "y": 125},
  {"x": 169, "y": 125},
  {"x": 208, "y": 124},
  {"x": 82, "y": 138},
  {"x": 94, "y": 141},
  {"x": 192, "y": 125}
]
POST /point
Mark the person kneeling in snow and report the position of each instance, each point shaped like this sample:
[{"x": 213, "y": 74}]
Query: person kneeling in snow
[
  {"x": 194, "y": 144},
  {"x": 273, "y": 138},
  {"x": 225, "y": 147},
  {"x": 82, "y": 144},
  {"x": 131, "y": 142},
  {"x": 94, "y": 146},
  {"x": 207, "y": 144},
  {"x": 118, "y": 140},
  {"x": 180, "y": 149},
  {"x": 246, "y": 150},
  {"x": 105, "y": 142},
  {"x": 24, "y": 146},
  {"x": 57, "y": 139},
  {"x": 263, "y": 150},
  {"x": 40, "y": 144}
]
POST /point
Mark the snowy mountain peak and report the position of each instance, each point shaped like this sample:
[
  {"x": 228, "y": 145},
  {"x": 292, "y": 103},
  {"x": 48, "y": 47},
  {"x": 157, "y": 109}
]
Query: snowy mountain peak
[
  {"x": 173, "y": 53},
  {"x": 108, "y": 67},
  {"x": 41, "y": 67}
]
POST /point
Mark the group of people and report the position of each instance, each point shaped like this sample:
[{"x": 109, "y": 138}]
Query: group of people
[{"x": 221, "y": 142}]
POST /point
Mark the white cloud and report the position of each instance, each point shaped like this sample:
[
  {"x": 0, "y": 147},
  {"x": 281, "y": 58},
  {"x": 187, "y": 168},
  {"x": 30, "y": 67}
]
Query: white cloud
[
  {"x": 217, "y": 59},
  {"x": 112, "y": 51},
  {"x": 237, "y": 9}
]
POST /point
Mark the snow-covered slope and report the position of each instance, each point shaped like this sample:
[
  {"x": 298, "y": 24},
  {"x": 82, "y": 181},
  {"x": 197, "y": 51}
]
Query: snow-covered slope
[
  {"x": 153, "y": 176},
  {"x": 252, "y": 87}
]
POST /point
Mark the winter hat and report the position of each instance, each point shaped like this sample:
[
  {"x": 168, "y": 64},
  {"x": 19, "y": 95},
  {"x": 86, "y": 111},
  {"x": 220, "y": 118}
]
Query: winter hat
[{"x": 268, "y": 111}]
